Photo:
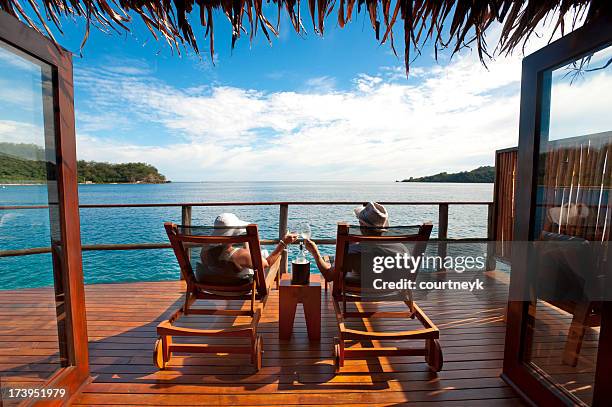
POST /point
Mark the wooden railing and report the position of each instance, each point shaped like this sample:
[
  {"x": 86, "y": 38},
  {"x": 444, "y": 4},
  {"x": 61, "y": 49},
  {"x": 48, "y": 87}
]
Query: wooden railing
[{"x": 186, "y": 219}]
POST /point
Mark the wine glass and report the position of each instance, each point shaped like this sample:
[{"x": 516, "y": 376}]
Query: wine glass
[{"x": 304, "y": 230}]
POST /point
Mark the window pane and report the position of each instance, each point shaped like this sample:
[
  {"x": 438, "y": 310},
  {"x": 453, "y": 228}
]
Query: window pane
[
  {"x": 572, "y": 223},
  {"x": 32, "y": 342}
]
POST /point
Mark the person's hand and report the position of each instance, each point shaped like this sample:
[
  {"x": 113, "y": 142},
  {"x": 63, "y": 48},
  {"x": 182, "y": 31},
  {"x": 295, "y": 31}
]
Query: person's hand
[
  {"x": 311, "y": 246},
  {"x": 290, "y": 238}
]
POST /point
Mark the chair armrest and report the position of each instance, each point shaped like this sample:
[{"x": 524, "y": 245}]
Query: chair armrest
[{"x": 273, "y": 270}]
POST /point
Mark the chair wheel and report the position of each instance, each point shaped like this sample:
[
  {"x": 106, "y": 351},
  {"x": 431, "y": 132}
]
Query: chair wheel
[
  {"x": 258, "y": 356},
  {"x": 434, "y": 357},
  {"x": 336, "y": 355},
  {"x": 158, "y": 355}
]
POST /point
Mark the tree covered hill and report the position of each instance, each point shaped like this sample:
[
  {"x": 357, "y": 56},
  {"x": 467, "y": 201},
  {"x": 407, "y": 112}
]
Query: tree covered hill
[
  {"x": 15, "y": 169},
  {"x": 485, "y": 174},
  {"x": 99, "y": 173},
  {"x": 25, "y": 163}
]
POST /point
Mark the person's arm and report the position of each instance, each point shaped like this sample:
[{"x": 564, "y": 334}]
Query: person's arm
[
  {"x": 242, "y": 258},
  {"x": 282, "y": 245},
  {"x": 323, "y": 265}
]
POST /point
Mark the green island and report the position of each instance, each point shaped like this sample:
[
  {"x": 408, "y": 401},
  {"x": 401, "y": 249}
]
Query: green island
[
  {"x": 484, "y": 174},
  {"x": 25, "y": 163}
]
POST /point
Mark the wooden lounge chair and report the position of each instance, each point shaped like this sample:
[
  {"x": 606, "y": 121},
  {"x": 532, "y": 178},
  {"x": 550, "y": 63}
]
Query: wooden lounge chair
[
  {"x": 347, "y": 289},
  {"x": 185, "y": 239}
]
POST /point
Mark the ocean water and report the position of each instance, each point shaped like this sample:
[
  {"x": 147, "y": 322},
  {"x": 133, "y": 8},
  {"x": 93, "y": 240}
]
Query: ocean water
[{"x": 20, "y": 229}]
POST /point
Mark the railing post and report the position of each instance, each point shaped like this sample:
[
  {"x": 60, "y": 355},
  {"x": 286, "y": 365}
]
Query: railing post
[
  {"x": 186, "y": 215},
  {"x": 491, "y": 262},
  {"x": 442, "y": 231},
  {"x": 283, "y": 218},
  {"x": 186, "y": 221}
]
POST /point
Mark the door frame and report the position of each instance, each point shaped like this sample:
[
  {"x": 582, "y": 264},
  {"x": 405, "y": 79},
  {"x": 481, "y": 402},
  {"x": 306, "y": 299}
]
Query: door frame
[
  {"x": 29, "y": 41},
  {"x": 530, "y": 382}
]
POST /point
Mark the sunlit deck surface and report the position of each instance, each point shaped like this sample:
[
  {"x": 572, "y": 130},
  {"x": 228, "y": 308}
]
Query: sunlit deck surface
[
  {"x": 551, "y": 328},
  {"x": 122, "y": 320}
]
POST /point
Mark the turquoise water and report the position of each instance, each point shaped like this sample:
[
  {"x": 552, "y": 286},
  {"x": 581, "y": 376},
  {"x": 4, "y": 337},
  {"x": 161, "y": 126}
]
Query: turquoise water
[{"x": 20, "y": 229}]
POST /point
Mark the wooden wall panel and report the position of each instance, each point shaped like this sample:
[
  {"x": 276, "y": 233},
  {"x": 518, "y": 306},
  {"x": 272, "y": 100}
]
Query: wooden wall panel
[
  {"x": 505, "y": 174},
  {"x": 577, "y": 175},
  {"x": 575, "y": 186}
]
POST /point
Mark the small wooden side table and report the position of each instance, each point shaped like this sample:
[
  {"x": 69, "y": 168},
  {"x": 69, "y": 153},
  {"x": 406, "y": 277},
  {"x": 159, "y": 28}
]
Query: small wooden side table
[{"x": 310, "y": 297}]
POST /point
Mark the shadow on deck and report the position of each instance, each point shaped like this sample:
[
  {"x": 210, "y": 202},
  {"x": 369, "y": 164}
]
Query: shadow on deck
[{"x": 122, "y": 319}]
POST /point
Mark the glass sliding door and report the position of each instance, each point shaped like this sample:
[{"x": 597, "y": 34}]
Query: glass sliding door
[
  {"x": 572, "y": 223},
  {"x": 558, "y": 338},
  {"x": 30, "y": 284},
  {"x": 43, "y": 340}
]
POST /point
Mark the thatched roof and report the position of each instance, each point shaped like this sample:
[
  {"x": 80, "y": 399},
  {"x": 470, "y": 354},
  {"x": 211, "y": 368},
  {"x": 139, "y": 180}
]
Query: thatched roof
[{"x": 452, "y": 24}]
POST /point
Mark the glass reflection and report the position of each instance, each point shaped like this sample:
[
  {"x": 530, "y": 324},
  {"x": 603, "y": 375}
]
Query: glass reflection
[
  {"x": 572, "y": 223},
  {"x": 32, "y": 312}
]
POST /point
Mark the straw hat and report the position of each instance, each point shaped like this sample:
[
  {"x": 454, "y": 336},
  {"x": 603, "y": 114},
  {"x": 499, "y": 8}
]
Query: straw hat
[
  {"x": 372, "y": 214},
  {"x": 229, "y": 225}
]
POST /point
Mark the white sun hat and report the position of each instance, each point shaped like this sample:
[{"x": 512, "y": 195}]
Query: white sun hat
[
  {"x": 229, "y": 225},
  {"x": 372, "y": 214},
  {"x": 568, "y": 213}
]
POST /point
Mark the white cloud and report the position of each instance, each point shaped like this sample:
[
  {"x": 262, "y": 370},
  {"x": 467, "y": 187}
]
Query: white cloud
[
  {"x": 12, "y": 131},
  {"x": 19, "y": 98},
  {"x": 320, "y": 84},
  {"x": 580, "y": 104},
  {"x": 15, "y": 59},
  {"x": 452, "y": 117},
  {"x": 380, "y": 128},
  {"x": 17, "y": 90}
]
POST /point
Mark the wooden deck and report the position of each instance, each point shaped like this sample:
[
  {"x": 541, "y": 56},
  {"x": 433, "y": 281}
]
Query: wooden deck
[
  {"x": 551, "y": 328},
  {"x": 122, "y": 320}
]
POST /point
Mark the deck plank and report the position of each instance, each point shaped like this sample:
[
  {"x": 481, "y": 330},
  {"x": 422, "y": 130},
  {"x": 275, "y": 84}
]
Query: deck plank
[
  {"x": 122, "y": 319},
  {"x": 294, "y": 372}
]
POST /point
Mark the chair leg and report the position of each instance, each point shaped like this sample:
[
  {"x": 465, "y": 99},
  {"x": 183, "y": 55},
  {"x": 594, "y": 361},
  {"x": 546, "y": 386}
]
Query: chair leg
[
  {"x": 161, "y": 352},
  {"x": 257, "y": 352},
  {"x": 253, "y": 296},
  {"x": 158, "y": 354},
  {"x": 409, "y": 301},
  {"x": 338, "y": 354},
  {"x": 166, "y": 342},
  {"x": 575, "y": 336},
  {"x": 187, "y": 295},
  {"x": 434, "y": 357}
]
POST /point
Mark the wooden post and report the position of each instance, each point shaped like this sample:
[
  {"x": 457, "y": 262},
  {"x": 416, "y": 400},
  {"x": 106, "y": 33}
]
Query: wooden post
[
  {"x": 186, "y": 215},
  {"x": 283, "y": 218},
  {"x": 491, "y": 263},
  {"x": 186, "y": 221},
  {"x": 442, "y": 231}
]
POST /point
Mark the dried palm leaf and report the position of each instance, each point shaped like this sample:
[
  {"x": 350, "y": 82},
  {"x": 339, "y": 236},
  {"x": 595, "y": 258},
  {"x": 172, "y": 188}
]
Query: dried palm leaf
[{"x": 453, "y": 24}]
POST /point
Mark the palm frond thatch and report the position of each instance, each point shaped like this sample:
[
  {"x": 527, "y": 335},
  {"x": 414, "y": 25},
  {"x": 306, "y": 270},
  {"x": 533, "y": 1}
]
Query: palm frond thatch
[{"x": 450, "y": 24}]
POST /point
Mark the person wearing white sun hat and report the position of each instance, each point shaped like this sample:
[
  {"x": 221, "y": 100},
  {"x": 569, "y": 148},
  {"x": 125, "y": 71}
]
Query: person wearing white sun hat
[
  {"x": 226, "y": 263},
  {"x": 373, "y": 218}
]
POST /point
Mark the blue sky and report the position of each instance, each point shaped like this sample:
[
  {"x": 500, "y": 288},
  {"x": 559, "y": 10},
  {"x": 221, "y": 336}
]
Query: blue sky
[
  {"x": 299, "y": 63},
  {"x": 305, "y": 107}
]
